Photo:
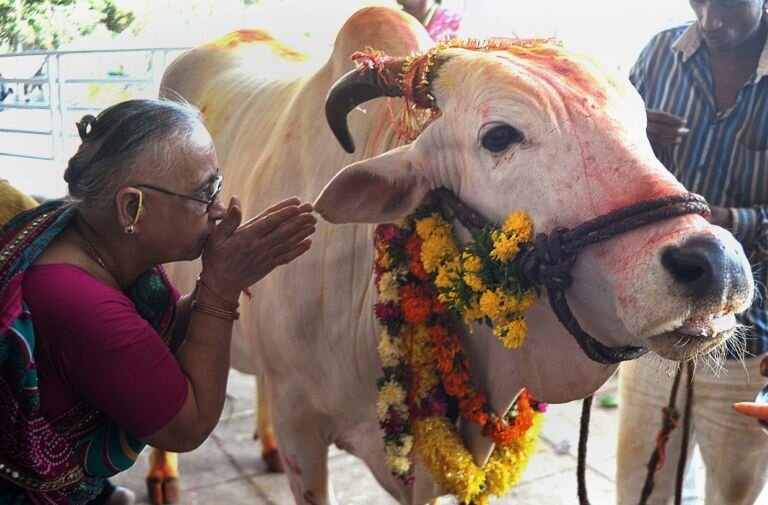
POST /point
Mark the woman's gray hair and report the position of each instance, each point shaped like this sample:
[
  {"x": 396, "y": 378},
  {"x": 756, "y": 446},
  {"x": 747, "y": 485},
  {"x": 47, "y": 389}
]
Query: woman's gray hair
[{"x": 125, "y": 141}]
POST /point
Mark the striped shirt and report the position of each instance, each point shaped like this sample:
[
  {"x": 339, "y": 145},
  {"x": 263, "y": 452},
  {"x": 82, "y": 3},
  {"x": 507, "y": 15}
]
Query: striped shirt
[{"x": 725, "y": 156}]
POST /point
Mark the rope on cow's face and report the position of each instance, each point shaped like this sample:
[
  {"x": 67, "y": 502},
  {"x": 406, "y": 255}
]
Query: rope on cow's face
[{"x": 548, "y": 261}]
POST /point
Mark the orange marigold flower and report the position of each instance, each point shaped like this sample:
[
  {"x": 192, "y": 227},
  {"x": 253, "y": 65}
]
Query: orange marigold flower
[
  {"x": 438, "y": 307},
  {"x": 472, "y": 407},
  {"x": 439, "y": 335},
  {"x": 417, "y": 269},
  {"x": 416, "y": 303},
  {"x": 456, "y": 383},
  {"x": 445, "y": 363},
  {"x": 413, "y": 246},
  {"x": 415, "y": 310}
]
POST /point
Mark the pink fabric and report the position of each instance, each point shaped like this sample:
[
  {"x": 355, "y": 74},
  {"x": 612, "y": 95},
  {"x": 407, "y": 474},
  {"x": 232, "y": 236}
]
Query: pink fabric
[
  {"x": 93, "y": 345},
  {"x": 444, "y": 24}
]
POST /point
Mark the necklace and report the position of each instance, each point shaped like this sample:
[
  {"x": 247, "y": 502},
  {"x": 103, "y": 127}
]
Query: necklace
[{"x": 92, "y": 252}]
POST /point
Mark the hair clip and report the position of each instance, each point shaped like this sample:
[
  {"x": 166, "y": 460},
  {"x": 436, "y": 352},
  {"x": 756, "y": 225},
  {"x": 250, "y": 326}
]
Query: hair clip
[{"x": 85, "y": 126}]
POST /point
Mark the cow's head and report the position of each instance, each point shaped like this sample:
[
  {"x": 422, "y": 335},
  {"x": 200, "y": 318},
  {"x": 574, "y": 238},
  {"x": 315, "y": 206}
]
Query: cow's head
[{"x": 531, "y": 126}]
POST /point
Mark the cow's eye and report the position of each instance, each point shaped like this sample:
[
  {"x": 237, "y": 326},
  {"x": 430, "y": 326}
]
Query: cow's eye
[{"x": 500, "y": 137}]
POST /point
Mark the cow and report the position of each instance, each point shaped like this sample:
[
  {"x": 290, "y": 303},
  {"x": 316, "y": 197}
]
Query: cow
[{"x": 533, "y": 128}]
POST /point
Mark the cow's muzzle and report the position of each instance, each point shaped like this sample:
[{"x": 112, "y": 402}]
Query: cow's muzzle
[
  {"x": 548, "y": 262},
  {"x": 705, "y": 269}
]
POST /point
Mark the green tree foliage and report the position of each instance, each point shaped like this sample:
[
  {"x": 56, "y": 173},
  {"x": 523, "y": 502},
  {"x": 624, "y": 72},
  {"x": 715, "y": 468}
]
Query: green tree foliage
[{"x": 46, "y": 24}]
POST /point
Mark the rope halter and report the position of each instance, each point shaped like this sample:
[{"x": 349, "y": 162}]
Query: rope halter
[{"x": 549, "y": 260}]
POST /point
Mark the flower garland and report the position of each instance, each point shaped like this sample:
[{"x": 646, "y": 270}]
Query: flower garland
[{"x": 423, "y": 278}]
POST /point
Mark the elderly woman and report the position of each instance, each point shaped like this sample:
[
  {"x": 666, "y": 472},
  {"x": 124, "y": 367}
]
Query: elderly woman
[{"x": 99, "y": 355}]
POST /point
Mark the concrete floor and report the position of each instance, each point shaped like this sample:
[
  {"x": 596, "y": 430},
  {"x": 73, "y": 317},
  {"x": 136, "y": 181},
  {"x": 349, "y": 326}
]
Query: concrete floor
[{"x": 227, "y": 468}]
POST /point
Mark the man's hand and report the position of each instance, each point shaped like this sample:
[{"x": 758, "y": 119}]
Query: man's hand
[
  {"x": 665, "y": 129},
  {"x": 757, "y": 409},
  {"x": 721, "y": 216}
]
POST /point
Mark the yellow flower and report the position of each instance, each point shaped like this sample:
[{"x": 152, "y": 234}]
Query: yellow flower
[
  {"x": 472, "y": 310},
  {"x": 384, "y": 259},
  {"x": 445, "y": 278},
  {"x": 471, "y": 262},
  {"x": 474, "y": 282},
  {"x": 448, "y": 297},
  {"x": 388, "y": 287},
  {"x": 512, "y": 333},
  {"x": 524, "y": 303},
  {"x": 398, "y": 464},
  {"x": 439, "y": 447},
  {"x": 391, "y": 394},
  {"x": 505, "y": 247},
  {"x": 407, "y": 446},
  {"x": 425, "y": 227},
  {"x": 520, "y": 224},
  {"x": 491, "y": 304},
  {"x": 389, "y": 351},
  {"x": 436, "y": 250},
  {"x": 381, "y": 409}
]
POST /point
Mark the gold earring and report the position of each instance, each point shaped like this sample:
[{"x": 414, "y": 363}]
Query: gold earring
[{"x": 131, "y": 228}]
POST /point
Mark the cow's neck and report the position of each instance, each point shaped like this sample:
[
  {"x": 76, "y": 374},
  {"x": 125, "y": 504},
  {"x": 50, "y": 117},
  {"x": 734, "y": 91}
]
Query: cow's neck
[{"x": 545, "y": 365}]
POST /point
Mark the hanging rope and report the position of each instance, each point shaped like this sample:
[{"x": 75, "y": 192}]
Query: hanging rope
[
  {"x": 669, "y": 418},
  {"x": 581, "y": 468},
  {"x": 686, "y": 434}
]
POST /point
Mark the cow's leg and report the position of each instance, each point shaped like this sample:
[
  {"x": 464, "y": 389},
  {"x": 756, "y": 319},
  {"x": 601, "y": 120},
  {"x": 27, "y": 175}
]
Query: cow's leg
[
  {"x": 264, "y": 431},
  {"x": 163, "y": 477},
  {"x": 305, "y": 456},
  {"x": 303, "y": 443}
]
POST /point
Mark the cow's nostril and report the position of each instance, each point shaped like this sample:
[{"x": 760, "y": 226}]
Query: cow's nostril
[
  {"x": 681, "y": 267},
  {"x": 695, "y": 264}
]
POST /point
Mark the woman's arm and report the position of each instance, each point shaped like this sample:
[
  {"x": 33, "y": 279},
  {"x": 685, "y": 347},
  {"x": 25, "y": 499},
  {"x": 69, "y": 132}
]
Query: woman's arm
[{"x": 235, "y": 258}]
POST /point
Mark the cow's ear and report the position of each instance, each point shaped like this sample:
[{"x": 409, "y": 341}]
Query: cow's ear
[{"x": 378, "y": 190}]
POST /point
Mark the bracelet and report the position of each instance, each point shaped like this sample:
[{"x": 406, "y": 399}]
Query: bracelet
[
  {"x": 231, "y": 315},
  {"x": 227, "y": 303}
]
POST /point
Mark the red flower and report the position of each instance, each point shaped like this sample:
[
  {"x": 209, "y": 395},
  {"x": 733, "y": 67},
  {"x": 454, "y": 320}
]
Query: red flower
[
  {"x": 473, "y": 408},
  {"x": 413, "y": 246},
  {"x": 416, "y": 303},
  {"x": 389, "y": 233},
  {"x": 455, "y": 383}
]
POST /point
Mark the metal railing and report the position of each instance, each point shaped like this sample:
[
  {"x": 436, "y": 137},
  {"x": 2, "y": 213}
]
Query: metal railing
[{"x": 61, "y": 89}]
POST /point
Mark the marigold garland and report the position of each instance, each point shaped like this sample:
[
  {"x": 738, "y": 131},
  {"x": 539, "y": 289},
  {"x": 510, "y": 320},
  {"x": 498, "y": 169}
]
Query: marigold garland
[{"x": 423, "y": 278}]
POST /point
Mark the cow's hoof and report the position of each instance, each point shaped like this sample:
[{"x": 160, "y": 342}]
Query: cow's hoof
[
  {"x": 155, "y": 490},
  {"x": 273, "y": 461},
  {"x": 171, "y": 490},
  {"x": 163, "y": 491}
]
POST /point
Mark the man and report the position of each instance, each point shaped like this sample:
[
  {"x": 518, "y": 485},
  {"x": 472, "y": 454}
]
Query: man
[{"x": 705, "y": 86}]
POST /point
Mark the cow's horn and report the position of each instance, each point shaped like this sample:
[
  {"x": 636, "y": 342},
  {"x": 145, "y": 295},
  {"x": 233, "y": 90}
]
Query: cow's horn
[{"x": 356, "y": 87}]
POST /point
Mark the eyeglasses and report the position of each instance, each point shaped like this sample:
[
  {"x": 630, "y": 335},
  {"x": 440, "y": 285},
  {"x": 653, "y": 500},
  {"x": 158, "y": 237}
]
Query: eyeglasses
[{"x": 214, "y": 188}]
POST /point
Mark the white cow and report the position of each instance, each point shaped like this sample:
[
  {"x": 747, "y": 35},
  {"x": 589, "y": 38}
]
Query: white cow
[{"x": 547, "y": 132}]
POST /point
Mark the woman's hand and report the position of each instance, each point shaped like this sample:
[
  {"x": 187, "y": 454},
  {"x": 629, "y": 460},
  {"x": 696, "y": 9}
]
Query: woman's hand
[
  {"x": 237, "y": 256},
  {"x": 665, "y": 129}
]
